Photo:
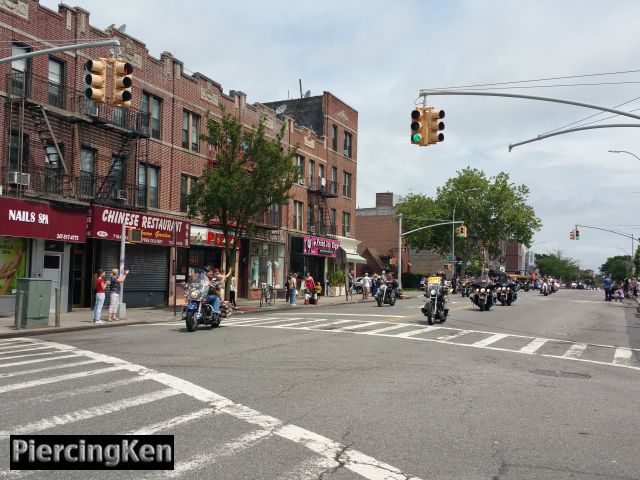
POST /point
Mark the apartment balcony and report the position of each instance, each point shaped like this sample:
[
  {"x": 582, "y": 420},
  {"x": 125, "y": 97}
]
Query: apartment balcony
[{"x": 323, "y": 186}]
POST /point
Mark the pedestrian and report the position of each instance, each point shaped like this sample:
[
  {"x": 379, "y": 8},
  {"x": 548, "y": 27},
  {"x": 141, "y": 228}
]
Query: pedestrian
[
  {"x": 374, "y": 284},
  {"x": 317, "y": 293},
  {"x": 366, "y": 286},
  {"x": 607, "y": 285},
  {"x": 100, "y": 285},
  {"x": 287, "y": 285},
  {"x": 309, "y": 286},
  {"x": 293, "y": 289},
  {"x": 232, "y": 292},
  {"x": 114, "y": 296},
  {"x": 350, "y": 280}
]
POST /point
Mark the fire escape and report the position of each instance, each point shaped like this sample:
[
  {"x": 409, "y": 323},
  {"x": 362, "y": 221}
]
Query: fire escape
[
  {"x": 321, "y": 222},
  {"x": 47, "y": 128}
]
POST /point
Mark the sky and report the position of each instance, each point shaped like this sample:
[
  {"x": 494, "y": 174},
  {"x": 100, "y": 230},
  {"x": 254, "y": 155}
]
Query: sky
[{"x": 377, "y": 55}]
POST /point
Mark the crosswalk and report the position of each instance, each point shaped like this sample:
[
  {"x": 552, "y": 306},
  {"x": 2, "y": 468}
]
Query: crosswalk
[
  {"x": 393, "y": 326},
  {"x": 53, "y": 388}
]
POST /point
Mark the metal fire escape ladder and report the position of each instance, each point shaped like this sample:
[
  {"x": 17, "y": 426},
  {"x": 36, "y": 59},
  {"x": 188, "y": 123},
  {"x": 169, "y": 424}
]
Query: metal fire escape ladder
[
  {"x": 37, "y": 121},
  {"x": 124, "y": 151}
]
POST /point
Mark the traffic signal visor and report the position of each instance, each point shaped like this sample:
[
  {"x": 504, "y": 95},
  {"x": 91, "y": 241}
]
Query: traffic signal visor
[
  {"x": 572, "y": 235},
  {"x": 122, "y": 83},
  {"x": 577, "y": 234},
  {"x": 95, "y": 80},
  {"x": 435, "y": 125}
]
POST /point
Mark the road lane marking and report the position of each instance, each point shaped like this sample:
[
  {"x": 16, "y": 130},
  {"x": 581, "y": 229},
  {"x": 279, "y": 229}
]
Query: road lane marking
[
  {"x": 39, "y": 360},
  {"x": 312, "y": 327},
  {"x": 416, "y": 332},
  {"x": 299, "y": 323},
  {"x": 59, "y": 378},
  {"x": 575, "y": 351},
  {"x": 357, "y": 462},
  {"x": 622, "y": 356},
  {"x": 168, "y": 425},
  {"x": 485, "y": 342},
  {"x": 447, "y": 338},
  {"x": 328, "y": 314},
  {"x": 353, "y": 327},
  {"x": 87, "y": 413},
  {"x": 101, "y": 387},
  {"x": 46, "y": 369},
  {"x": 26, "y": 355},
  {"x": 18, "y": 348},
  {"x": 261, "y": 321},
  {"x": 385, "y": 329},
  {"x": 534, "y": 345},
  {"x": 310, "y": 469}
]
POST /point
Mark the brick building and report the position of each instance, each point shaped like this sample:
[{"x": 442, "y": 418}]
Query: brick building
[{"x": 75, "y": 169}]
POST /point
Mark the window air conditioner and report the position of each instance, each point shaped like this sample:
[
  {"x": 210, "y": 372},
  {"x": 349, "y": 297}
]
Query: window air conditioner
[
  {"x": 346, "y": 152},
  {"x": 121, "y": 195},
  {"x": 323, "y": 182},
  {"x": 19, "y": 178},
  {"x": 312, "y": 229},
  {"x": 347, "y": 233}
]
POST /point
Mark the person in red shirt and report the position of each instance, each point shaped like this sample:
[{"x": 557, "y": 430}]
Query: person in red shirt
[{"x": 100, "y": 285}]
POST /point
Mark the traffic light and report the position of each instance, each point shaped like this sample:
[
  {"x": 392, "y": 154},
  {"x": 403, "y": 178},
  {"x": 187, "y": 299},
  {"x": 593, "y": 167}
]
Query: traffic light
[
  {"x": 95, "y": 80},
  {"x": 434, "y": 125},
  {"x": 572, "y": 234},
  {"x": 463, "y": 231},
  {"x": 577, "y": 234},
  {"x": 419, "y": 126},
  {"x": 122, "y": 82}
]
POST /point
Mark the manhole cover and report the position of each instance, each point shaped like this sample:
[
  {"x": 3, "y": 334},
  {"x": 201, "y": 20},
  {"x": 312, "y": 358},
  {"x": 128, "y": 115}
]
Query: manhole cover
[{"x": 558, "y": 373}]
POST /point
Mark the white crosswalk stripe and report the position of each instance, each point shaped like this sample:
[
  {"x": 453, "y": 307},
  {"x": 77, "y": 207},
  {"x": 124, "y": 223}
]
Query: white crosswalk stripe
[
  {"x": 122, "y": 377},
  {"x": 622, "y": 356},
  {"x": 485, "y": 342},
  {"x": 533, "y": 345},
  {"x": 576, "y": 350}
]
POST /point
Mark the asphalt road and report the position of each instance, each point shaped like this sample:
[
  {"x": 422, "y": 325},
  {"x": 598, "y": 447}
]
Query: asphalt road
[{"x": 545, "y": 389}]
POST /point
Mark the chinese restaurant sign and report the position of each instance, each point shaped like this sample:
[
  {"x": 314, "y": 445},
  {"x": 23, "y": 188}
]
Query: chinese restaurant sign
[
  {"x": 320, "y": 246},
  {"x": 106, "y": 223}
]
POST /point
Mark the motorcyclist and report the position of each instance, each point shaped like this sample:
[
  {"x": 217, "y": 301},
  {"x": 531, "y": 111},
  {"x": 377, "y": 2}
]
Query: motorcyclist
[{"x": 213, "y": 298}]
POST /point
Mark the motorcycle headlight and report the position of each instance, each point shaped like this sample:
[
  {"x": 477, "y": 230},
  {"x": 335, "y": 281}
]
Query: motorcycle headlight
[
  {"x": 477, "y": 289},
  {"x": 482, "y": 290},
  {"x": 504, "y": 288},
  {"x": 433, "y": 291},
  {"x": 194, "y": 294}
]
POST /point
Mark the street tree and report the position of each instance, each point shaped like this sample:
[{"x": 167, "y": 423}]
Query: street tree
[
  {"x": 557, "y": 265},
  {"x": 493, "y": 210},
  {"x": 618, "y": 267},
  {"x": 251, "y": 174}
]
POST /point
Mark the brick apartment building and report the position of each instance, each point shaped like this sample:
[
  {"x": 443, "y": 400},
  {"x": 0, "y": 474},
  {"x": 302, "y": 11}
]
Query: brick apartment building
[{"x": 75, "y": 170}]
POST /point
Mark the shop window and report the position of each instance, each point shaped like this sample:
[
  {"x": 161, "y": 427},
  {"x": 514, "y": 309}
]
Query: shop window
[{"x": 266, "y": 261}]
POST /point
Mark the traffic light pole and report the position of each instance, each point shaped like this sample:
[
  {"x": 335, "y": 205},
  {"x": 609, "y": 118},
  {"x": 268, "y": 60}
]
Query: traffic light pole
[
  {"x": 78, "y": 46},
  {"x": 622, "y": 234},
  {"x": 427, "y": 92}
]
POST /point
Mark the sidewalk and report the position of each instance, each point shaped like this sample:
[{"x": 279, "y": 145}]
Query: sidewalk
[{"x": 80, "y": 318}]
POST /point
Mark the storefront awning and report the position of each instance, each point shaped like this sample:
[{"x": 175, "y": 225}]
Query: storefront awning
[{"x": 355, "y": 258}]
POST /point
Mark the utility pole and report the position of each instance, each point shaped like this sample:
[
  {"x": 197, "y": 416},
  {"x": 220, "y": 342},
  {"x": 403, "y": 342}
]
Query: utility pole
[
  {"x": 122, "y": 307},
  {"x": 400, "y": 250}
]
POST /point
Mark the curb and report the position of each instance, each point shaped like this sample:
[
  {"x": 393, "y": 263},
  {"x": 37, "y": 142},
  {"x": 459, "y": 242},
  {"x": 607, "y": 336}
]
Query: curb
[{"x": 89, "y": 326}]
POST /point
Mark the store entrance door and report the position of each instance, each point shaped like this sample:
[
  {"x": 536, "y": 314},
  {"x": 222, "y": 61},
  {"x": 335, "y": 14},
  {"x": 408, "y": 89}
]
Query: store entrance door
[{"x": 53, "y": 271}]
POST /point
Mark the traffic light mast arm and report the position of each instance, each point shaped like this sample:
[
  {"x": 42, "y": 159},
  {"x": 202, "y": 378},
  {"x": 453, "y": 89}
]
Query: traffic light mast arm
[
  {"x": 428, "y": 226},
  {"x": 622, "y": 234},
  {"x": 570, "y": 130},
  {"x": 78, "y": 46}
]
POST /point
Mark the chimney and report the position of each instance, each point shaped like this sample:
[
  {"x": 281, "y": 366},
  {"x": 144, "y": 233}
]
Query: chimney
[{"x": 384, "y": 199}]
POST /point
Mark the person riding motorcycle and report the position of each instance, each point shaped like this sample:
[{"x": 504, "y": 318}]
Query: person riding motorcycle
[{"x": 213, "y": 298}]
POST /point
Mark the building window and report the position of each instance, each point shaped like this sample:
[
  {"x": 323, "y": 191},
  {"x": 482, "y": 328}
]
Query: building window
[
  {"x": 347, "y": 144},
  {"x": 334, "y": 138},
  {"x": 120, "y": 116},
  {"x": 346, "y": 224},
  {"x": 190, "y": 130},
  {"x": 18, "y": 154},
  {"x": 148, "y": 186},
  {"x": 321, "y": 171},
  {"x": 53, "y": 181},
  {"x": 311, "y": 224},
  {"x": 300, "y": 164},
  {"x": 186, "y": 184},
  {"x": 20, "y": 70},
  {"x": 332, "y": 220},
  {"x": 312, "y": 172},
  {"x": 56, "y": 83},
  {"x": 346, "y": 186},
  {"x": 87, "y": 169},
  {"x": 297, "y": 215},
  {"x": 152, "y": 107},
  {"x": 115, "y": 178}
]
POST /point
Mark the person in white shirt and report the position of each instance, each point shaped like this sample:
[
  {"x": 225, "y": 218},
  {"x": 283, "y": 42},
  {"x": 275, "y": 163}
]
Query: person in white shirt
[
  {"x": 232, "y": 292},
  {"x": 366, "y": 286}
]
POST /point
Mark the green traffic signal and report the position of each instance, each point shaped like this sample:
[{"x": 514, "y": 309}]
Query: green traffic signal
[{"x": 416, "y": 137}]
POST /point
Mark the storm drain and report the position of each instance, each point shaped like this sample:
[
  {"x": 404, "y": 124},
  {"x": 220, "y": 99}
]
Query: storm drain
[{"x": 558, "y": 373}]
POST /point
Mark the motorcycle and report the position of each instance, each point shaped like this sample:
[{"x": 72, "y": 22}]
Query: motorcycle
[
  {"x": 386, "y": 294},
  {"x": 544, "y": 289},
  {"x": 554, "y": 287},
  {"x": 197, "y": 311},
  {"x": 465, "y": 290},
  {"x": 506, "y": 293},
  {"x": 437, "y": 303},
  {"x": 483, "y": 296}
]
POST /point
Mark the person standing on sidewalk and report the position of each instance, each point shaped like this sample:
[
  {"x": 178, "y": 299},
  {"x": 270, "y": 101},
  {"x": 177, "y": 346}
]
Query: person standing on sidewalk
[
  {"x": 100, "y": 286},
  {"x": 293, "y": 284},
  {"x": 114, "y": 297},
  {"x": 366, "y": 286},
  {"x": 232, "y": 292},
  {"x": 607, "y": 285}
]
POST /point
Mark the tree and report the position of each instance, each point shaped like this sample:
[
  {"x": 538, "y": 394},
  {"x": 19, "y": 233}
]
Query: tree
[
  {"x": 556, "y": 265},
  {"x": 251, "y": 174},
  {"x": 493, "y": 209},
  {"x": 618, "y": 267}
]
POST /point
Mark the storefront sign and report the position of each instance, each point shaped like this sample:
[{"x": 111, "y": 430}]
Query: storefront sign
[
  {"x": 320, "y": 246},
  {"x": 209, "y": 237},
  {"x": 22, "y": 218},
  {"x": 106, "y": 223}
]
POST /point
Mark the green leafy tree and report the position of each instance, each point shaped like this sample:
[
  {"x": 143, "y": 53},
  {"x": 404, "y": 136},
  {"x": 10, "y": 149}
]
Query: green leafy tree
[
  {"x": 636, "y": 261},
  {"x": 556, "y": 265},
  {"x": 252, "y": 172},
  {"x": 493, "y": 209},
  {"x": 619, "y": 267}
]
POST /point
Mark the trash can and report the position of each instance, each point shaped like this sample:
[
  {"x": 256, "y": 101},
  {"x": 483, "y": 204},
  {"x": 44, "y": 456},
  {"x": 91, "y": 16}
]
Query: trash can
[{"x": 33, "y": 302}]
